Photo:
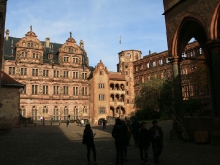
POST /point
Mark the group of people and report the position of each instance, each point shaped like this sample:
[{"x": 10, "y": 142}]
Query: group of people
[{"x": 122, "y": 133}]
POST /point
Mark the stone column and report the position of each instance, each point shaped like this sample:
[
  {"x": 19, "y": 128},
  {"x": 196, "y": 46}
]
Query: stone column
[
  {"x": 214, "y": 52},
  {"x": 178, "y": 98}
]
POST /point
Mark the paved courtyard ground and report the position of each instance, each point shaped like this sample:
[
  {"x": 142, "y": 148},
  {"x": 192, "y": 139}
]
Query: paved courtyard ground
[{"x": 61, "y": 145}]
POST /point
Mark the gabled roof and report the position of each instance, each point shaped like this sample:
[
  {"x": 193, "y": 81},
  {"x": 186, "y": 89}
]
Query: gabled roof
[
  {"x": 10, "y": 54},
  {"x": 6, "y": 80},
  {"x": 116, "y": 76}
]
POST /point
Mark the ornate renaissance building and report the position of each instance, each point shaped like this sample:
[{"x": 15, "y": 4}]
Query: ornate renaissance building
[
  {"x": 59, "y": 81},
  {"x": 55, "y": 76}
]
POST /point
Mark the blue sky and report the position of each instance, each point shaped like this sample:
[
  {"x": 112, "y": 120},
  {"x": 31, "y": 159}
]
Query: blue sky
[{"x": 99, "y": 23}]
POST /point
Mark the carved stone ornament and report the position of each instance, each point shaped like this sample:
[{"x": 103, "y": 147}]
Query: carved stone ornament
[{"x": 61, "y": 60}]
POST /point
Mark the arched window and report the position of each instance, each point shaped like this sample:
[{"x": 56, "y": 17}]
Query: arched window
[
  {"x": 84, "y": 109},
  {"x": 45, "y": 109},
  {"x": 75, "y": 113},
  {"x": 23, "y": 111},
  {"x": 34, "y": 113},
  {"x": 128, "y": 55},
  {"x": 55, "y": 113},
  {"x": 66, "y": 112}
]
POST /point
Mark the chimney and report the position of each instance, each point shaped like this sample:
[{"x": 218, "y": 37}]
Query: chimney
[
  {"x": 7, "y": 34},
  {"x": 47, "y": 42}
]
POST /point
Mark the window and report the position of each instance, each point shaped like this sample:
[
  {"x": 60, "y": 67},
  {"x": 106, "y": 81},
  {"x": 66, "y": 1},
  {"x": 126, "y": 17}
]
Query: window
[
  {"x": 126, "y": 72},
  {"x": 24, "y": 90},
  {"x": 65, "y": 74},
  {"x": 23, "y": 55},
  {"x": 55, "y": 90},
  {"x": 65, "y": 59},
  {"x": 75, "y": 60},
  {"x": 34, "y": 89},
  {"x": 84, "y": 109},
  {"x": 35, "y": 55},
  {"x": 200, "y": 50},
  {"x": 161, "y": 61},
  {"x": 23, "y": 71},
  {"x": 45, "y": 73},
  {"x": 34, "y": 113},
  {"x": 84, "y": 76},
  {"x": 34, "y": 72},
  {"x": 45, "y": 89},
  {"x": 75, "y": 75},
  {"x": 50, "y": 56},
  {"x": 126, "y": 83},
  {"x": 75, "y": 113},
  {"x": 101, "y": 86},
  {"x": 148, "y": 65},
  {"x": 154, "y": 63},
  {"x": 45, "y": 109},
  {"x": 29, "y": 45},
  {"x": 56, "y": 73},
  {"x": 65, "y": 90},
  {"x": 23, "y": 111},
  {"x": 167, "y": 60},
  {"x": 75, "y": 91},
  {"x": 127, "y": 92},
  {"x": 126, "y": 66},
  {"x": 11, "y": 71},
  {"x": 100, "y": 72},
  {"x": 66, "y": 113},
  {"x": 84, "y": 91},
  {"x": 101, "y": 97},
  {"x": 128, "y": 55},
  {"x": 101, "y": 110},
  {"x": 55, "y": 113}
]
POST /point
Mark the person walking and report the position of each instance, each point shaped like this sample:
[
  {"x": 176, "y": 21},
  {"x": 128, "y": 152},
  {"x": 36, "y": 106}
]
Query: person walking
[
  {"x": 68, "y": 120},
  {"x": 88, "y": 139},
  {"x": 135, "y": 128},
  {"x": 144, "y": 143},
  {"x": 119, "y": 134},
  {"x": 129, "y": 130},
  {"x": 156, "y": 135},
  {"x": 104, "y": 124}
]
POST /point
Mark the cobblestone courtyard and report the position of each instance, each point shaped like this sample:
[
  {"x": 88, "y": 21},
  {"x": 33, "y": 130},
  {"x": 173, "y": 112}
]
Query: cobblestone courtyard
[{"x": 55, "y": 145}]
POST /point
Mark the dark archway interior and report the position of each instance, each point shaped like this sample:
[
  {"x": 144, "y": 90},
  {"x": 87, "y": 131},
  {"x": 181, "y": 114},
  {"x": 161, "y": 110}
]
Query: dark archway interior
[{"x": 191, "y": 28}]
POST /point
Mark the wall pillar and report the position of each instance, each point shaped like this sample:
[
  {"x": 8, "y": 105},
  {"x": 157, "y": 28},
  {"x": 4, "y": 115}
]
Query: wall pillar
[
  {"x": 214, "y": 52},
  {"x": 178, "y": 98}
]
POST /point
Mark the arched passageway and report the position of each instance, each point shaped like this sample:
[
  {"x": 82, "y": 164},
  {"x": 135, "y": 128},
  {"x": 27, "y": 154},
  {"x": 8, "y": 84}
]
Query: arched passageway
[{"x": 192, "y": 27}]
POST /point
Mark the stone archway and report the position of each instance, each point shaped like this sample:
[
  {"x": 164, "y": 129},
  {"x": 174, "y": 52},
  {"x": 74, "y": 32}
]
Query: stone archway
[
  {"x": 190, "y": 27},
  {"x": 215, "y": 24},
  {"x": 113, "y": 111}
]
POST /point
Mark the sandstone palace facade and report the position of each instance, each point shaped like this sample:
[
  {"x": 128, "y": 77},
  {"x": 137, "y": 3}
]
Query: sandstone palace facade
[{"x": 59, "y": 81}]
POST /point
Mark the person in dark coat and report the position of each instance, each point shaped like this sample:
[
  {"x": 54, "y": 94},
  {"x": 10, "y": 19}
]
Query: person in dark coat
[
  {"x": 135, "y": 128},
  {"x": 156, "y": 135},
  {"x": 68, "y": 120},
  {"x": 119, "y": 134},
  {"x": 88, "y": 139},
  {"x": 104, "y": 124},
  {"x": 144, "y": 143}
]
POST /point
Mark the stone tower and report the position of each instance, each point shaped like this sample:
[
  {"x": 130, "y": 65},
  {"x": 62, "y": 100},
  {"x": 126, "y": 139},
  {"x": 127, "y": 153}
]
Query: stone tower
[{"x": 125, "y": 66}]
